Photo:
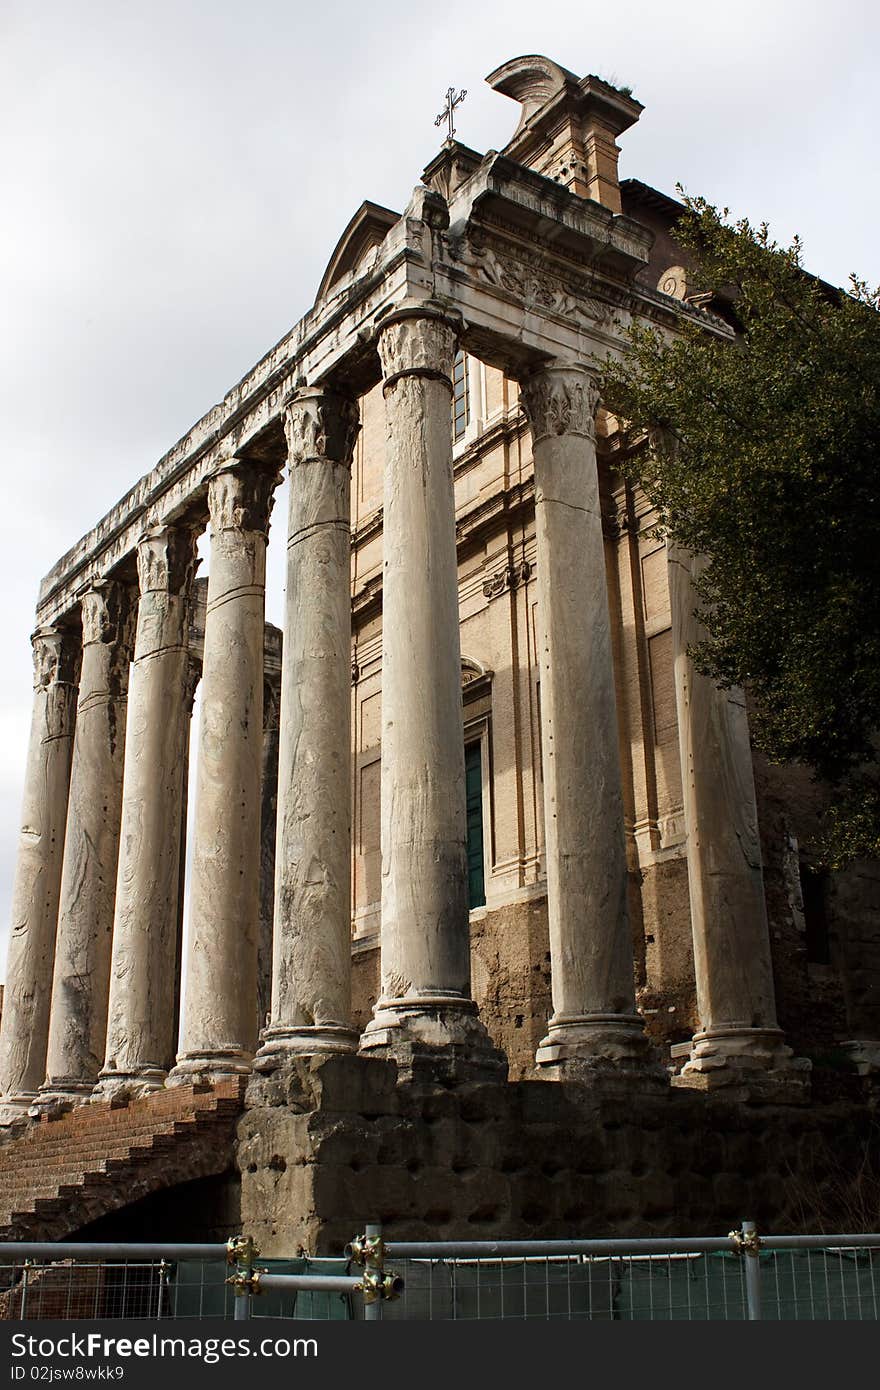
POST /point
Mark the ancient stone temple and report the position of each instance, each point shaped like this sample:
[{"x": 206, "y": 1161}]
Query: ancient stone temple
[{"x": 545, "y": 953}]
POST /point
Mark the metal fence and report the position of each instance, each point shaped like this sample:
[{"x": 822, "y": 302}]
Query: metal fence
[
  {"x": 99, "y": 1281},
  {"x": 742, "y": 1276}
]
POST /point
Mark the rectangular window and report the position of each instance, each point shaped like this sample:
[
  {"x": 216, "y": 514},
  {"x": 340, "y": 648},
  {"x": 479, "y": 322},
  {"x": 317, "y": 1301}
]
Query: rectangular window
[
  {"x": 460, "y": 401},
  {"x": 473, "y": 774}
]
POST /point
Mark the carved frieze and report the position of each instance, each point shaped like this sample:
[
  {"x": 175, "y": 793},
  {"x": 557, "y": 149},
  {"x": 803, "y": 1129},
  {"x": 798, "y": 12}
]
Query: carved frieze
[
  {"x": 417, "y": 344},
  {"x": 166, "y": 559},
  {"x": 56, "y": 657},
  {"x": 530, "y": 281},
  {"x": 321, "y": 424},
  {"x": 240, "y": 497},
  {"x": 510, "y": 577},
  {"x": 560, "y": 400}
]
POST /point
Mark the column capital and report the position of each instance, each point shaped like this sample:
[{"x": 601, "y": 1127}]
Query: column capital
[
  {"x": 108, "y": 613},
  {"x": 56, "y": 656},
  {"x": 418, "y": 339},
  {"x": 561, "y": 398},
  {"x": 166, "y": 559},
  {"x": 321, "y": 422},
  {"x": 241, "y": 496}
]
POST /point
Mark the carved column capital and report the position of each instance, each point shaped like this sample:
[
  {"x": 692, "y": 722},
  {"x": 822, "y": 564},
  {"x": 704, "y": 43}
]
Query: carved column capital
[
  {"x": 166, "y": 559},
  {"x": 321, "y": 423},
  {"x": 560, "y": 400},
  {"x": 418, "y": 340},
  {"x": 56, "y": 656},
  {"x": 109, "y": 609},
  {"x": 241, "y": 496}
]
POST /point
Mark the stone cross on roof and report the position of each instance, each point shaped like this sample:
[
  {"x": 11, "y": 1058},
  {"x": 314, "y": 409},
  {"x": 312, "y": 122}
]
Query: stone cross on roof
[{"x": 446, "y": 114}]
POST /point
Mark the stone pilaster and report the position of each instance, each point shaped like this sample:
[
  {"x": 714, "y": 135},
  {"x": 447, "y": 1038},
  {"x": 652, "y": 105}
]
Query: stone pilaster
[
  {"x": 25, "y": 1024},
  {"x": 595, "y": 1030},
  {"x": 141, "y": 1023},
  {"x": 739, "y": 1040},
  {"x": 311, "y": 972},
  {"x": 219, "y": 1031},
  {"x": 425, "y": 1005},
  {"x": 78, "y": 1022}
]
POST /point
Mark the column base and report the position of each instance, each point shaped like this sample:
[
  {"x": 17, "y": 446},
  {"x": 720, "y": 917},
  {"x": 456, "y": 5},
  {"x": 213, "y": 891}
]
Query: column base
[
  {"x": 864, "y": 1054},
  {"x": 433, "y": 1037},
  {"x": 754, "y": 1061},
  {"x": 194, "y": 1067},
  {"x": 129, "y": 1085},
  {"x": 607, "y": 1051},
  {"x": 60, "y": 1094},
  {"x": 319, "y": 1040},
  {"x": 16, "y": 1108}
]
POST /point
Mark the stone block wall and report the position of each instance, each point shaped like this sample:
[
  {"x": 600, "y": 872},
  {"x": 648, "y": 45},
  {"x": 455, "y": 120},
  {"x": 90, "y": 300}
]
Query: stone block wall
[{"x": 339, "y": 1143}]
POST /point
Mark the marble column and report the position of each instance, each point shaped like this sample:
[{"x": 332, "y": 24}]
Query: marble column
[
  {"x": 739, "y": 1035},
  {"x": 25, "y": 1024},
  {"x": 595, "y": 1029},
  {"x": 141, "y": 1025},
  {"x": 78, "y": 1022},
  {"x": 311, "y": 970},
  {"x": 425, "y": 1005},
  {"x": 268, "y": 830},
  {"x": 219, "y": 1031}
]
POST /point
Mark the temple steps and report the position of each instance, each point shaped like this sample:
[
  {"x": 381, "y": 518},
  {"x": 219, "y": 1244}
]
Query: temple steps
[{"x": 60, "y": 1173}]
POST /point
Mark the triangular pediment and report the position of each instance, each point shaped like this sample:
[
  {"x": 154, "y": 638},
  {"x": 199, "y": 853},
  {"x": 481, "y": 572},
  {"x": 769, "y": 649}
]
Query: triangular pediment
[{"x": 366, "y": 231}]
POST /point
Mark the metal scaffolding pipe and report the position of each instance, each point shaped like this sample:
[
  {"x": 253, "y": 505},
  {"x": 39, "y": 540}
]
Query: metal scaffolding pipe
[
  {"x": 489, "y": 1249},
  {"x": 320, "y": 1283},
  {"x": 14, "y": 1250},
  {"x": 865, "y": 1242}
]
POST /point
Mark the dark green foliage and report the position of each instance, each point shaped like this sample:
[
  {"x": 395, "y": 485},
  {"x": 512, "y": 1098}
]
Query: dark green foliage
[{"x": 764, "y": 456}]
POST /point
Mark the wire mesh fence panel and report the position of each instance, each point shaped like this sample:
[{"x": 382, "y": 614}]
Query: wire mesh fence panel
[
  {"x": 200, "y": 1289},
  {"x": 820, "y": 1285},
  {"x": 592, "y": 1288},
  {"x": 163, "y": 1289},
  {"x": 71, "y": 1289}
]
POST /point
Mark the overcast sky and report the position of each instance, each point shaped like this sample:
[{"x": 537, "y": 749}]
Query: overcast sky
[{"x": 176, "y": 173}]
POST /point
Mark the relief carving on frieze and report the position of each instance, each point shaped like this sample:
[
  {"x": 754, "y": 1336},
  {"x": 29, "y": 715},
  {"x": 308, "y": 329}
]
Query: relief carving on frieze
[{"x": 531, "y": 282}]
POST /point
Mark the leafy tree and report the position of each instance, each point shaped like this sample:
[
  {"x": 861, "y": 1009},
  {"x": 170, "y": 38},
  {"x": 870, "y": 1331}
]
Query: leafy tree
[{"x": 765, "y": 456}]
